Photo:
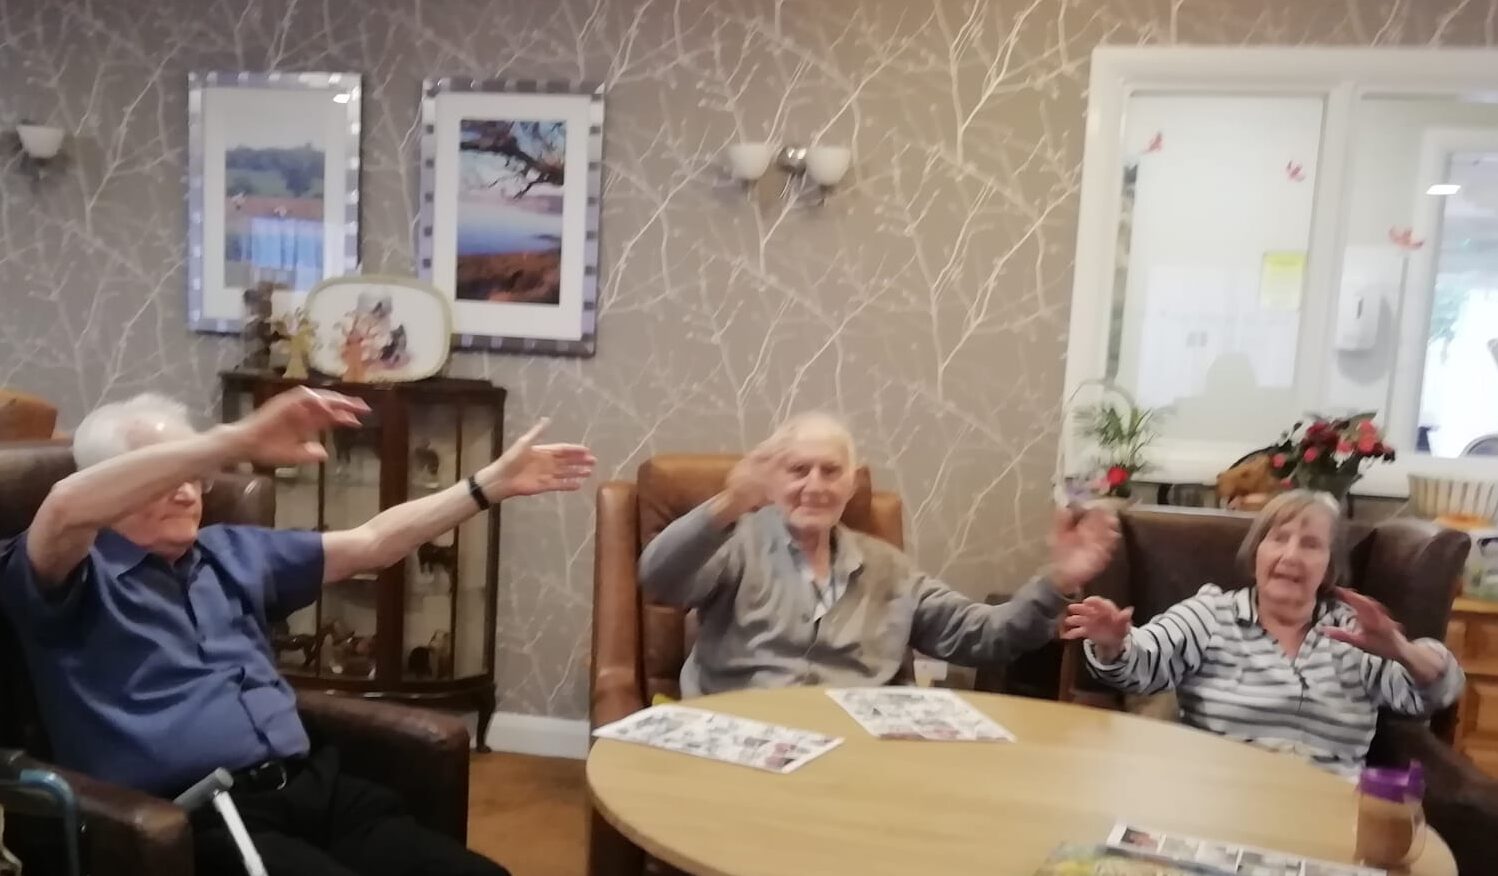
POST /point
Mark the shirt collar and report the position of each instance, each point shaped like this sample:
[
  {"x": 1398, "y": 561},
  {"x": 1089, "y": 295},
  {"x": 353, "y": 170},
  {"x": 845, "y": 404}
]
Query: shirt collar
[
  {"x": 119, "y": 554},
  {"x": 846, "y": 557},
  {"x": 1246, "y": 607}
]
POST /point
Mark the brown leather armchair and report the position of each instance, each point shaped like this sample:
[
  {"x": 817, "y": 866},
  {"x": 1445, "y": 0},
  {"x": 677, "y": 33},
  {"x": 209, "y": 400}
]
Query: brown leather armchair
[
  {"x": 639, "y": 647},
  {"x": 1411, "y": 566},
  {"x": 25, "y": 417},
  {"x": 421, "y": 755}
]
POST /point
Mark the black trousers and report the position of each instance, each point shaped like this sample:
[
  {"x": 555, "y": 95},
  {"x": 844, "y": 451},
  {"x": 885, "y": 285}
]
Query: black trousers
[{"x": 327, "y": 823}]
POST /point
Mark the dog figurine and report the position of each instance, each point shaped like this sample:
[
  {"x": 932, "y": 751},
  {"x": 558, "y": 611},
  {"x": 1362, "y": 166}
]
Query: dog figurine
[
  {"x": 283, "y": 640},
  {"x": 1250, "y": 484},
  {"x": 431, "y": 558},
  {"x": 425, "y": 463}
]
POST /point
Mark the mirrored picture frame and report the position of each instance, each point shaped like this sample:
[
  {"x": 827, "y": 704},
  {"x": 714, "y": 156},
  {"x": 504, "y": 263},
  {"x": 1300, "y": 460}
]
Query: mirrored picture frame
[{"x": 273, "y": 188}]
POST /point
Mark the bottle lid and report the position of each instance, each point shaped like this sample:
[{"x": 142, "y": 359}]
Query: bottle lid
[{"x": 1391, "y": 783}]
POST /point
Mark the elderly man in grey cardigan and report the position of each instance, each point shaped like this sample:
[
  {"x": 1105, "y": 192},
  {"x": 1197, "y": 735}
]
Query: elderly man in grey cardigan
[{"x": 786, "y": 595}]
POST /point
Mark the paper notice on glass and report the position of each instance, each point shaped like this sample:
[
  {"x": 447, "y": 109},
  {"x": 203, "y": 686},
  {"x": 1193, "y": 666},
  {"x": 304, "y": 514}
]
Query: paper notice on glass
[
  {"x": 1282, "y": 278},
  {"x": 918, "y": 713},
  {"x": 725, "y": 738}
]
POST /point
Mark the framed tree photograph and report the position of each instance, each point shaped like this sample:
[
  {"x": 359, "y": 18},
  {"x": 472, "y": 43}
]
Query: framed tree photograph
[
  {"x": 273, "y": 188},
  {"x": 511, "y": 183}
]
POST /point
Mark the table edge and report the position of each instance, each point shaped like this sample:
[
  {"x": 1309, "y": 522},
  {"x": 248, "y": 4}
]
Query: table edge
[
  {"x": 656, "y": 850},
  {"x": 696, "y": 867}
]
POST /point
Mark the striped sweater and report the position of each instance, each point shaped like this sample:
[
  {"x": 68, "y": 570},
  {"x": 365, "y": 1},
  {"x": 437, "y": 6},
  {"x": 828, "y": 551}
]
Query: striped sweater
[{"x": 1231, "y": 677}]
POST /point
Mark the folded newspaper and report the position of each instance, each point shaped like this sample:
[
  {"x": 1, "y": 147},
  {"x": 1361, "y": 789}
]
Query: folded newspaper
[
  {"x": 934, "y": 714},
  {"x": 1196, "y": 855},
  {"x": 720, "y": 737}
]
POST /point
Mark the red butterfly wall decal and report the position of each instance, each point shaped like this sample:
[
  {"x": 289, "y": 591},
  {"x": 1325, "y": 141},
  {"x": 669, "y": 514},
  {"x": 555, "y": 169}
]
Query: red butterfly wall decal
[
  {"x": 1404, "y": 238},
  {"x": 1156, "y": 143},
  {"x": 1295, "y": 171}
]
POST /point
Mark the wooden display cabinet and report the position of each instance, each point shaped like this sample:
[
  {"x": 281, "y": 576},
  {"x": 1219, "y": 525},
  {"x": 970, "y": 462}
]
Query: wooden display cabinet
[
  {"x": 421, "y": 631},
  {"x": 1472, "y": 635}
]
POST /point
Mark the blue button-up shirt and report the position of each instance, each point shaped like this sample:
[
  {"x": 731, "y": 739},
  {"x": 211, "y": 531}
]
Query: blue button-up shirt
[{"x": 150, "y": 674}]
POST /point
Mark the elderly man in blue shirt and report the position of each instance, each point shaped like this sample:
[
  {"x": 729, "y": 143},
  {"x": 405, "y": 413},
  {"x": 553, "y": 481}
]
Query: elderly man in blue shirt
[{"x": 146, "y": 635}]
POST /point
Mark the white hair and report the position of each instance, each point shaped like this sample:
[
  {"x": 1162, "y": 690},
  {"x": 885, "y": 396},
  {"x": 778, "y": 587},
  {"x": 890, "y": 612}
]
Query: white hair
[
  {"x": 818, "y": 424},
  {"x": 119, "y": 427}
]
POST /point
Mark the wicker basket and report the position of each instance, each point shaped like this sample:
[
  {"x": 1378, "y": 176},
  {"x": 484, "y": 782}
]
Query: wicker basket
[{"x": 1432, "y": 496}]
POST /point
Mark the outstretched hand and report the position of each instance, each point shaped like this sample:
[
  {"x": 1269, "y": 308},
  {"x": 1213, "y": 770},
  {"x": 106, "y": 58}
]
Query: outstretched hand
[
  {"x": 1101, "y": 622},
  {"x": 528, "y": 469},
  {"x": 750, "y": 483},
  {"x": 1376, "y": 631},
  {"x": 1082, "y": 543},
  {"x": 287, "y": 430}
]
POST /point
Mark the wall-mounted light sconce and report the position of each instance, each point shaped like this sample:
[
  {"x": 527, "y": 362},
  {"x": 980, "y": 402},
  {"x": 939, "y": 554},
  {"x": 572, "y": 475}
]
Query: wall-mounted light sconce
[
  {"x": 827, "y": 165},
  {"x": 40, "y": 145},
  {"x": 747, "y": 162},
  {"x": 824, "y": 166}
]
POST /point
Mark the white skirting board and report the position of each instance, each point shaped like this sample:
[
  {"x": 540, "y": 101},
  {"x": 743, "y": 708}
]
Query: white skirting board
[{"x": 539, "y": 735}]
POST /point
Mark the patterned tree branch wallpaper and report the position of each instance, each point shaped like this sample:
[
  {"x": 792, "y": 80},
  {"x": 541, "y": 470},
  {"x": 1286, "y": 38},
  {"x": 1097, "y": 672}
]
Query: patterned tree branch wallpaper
[{"x": 927, "y": 301}]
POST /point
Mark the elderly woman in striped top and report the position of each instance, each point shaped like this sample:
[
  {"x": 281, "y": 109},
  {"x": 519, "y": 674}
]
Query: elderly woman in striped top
[{"x": 1293, "y": 663}]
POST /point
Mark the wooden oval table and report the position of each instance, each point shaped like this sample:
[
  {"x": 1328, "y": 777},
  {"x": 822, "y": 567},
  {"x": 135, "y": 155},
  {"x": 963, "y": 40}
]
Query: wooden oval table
[{"x": 876, "y": 806}]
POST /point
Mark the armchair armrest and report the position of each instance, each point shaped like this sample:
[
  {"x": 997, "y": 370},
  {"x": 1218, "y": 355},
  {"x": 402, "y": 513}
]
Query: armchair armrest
[
  {"x": 136, "y": 833},
  {"x": 1075, "y": 684},
  {"x": 1461, "y": 803},
  {"x": 617, "y": 686},
  {"x": 614, "y": 698},
  {"x": 420, "y": 754},
  {"x": 1414, "y": 568}
]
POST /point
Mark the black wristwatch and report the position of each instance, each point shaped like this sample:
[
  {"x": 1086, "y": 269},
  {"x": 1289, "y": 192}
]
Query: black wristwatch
[{"x": 477, "y": 493}]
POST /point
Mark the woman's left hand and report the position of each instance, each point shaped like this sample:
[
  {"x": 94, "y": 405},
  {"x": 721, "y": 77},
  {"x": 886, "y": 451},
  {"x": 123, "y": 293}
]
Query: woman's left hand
[{"x": 1376, "y": 632}]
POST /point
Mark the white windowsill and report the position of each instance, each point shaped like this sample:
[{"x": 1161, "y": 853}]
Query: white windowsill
[{"x": 1200, "y": 463}]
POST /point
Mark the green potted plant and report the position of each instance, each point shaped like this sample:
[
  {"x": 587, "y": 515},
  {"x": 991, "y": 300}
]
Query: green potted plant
[{"x": 1122, "y": 432}]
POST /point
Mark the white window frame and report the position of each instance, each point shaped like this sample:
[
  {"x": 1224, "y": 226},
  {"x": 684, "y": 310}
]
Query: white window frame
[
  {"x": 1341, "y": 76},
  {"x": 1414, "y": 322}
]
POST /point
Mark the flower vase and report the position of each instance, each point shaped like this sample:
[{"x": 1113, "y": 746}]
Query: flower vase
[
  {"x": 1338, "y": 485},
  {"x": 1112, "y": 503}
]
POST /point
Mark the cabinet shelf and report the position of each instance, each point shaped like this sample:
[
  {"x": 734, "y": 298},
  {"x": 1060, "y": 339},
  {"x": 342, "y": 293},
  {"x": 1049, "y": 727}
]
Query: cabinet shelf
[{"x": 397, "y": 633}]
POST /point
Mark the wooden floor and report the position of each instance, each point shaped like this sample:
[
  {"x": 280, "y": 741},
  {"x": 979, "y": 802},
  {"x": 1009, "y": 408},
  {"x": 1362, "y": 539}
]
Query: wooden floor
[{"x": 529, "y": 813}]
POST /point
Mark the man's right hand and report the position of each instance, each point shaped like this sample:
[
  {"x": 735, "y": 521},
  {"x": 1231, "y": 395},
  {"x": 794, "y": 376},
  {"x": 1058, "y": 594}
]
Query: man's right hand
[
  {"x": 1102, "y": 623},
  {"x": 750, "y": 484},
  {"x": 287, "y": 430}
]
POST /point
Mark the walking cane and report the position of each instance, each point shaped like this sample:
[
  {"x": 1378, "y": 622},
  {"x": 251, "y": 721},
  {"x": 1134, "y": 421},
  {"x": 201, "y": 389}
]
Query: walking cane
[{"x": 214, "y": 788}]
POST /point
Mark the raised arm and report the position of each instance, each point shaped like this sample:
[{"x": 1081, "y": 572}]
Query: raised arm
[
  {"x": 1148, "y": 659},
  {"x": 1409, "y": 677},
  {"x": 1396, "y": 685},
  {"x": 525, "y": 469},
  {"x": 694, "y": 556},
  {"x": 949, "y": 626},
  {"x": 284, "y": 431}
]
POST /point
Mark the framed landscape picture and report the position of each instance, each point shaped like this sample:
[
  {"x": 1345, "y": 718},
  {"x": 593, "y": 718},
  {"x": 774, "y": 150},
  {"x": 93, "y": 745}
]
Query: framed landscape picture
[
  {"x": 273, "y": 188},
  {"x": 511, "y": 183}
]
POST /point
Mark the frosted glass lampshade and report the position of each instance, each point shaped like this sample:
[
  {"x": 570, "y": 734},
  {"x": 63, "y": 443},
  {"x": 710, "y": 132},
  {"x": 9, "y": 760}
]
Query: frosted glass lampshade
[
  {"x": 39, "y": 141},
  {"x": 749, "y": 161},
  {"x": 826, "y": 165}
]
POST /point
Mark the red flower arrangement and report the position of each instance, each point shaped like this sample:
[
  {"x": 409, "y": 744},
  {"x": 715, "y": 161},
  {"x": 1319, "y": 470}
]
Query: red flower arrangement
[{"x": 1328, "y": 454}]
